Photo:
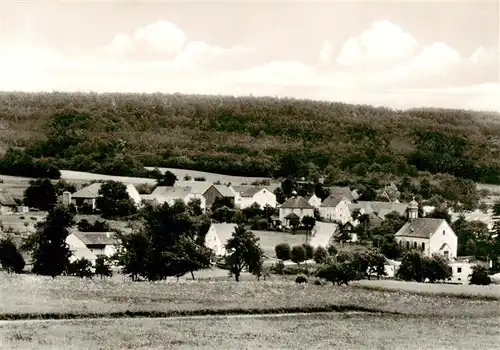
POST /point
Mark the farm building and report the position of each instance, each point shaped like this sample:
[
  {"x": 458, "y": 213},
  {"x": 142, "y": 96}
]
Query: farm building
[
  {"x": 98, "y": 243},
  {"x": 247, "y": 195},
  {"x": 428, "y": 235},
  {"x": 219, "y": 191},
  {"x": 314, "y": 200},
  {"x": 217, "y": 236},
  {"x": 89, "y": 194},
  {"x": 169, "y": 194}
]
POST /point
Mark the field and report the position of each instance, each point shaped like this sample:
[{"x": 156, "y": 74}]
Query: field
[
  {"x": 492, "y": 291},
  {"x": 30, "y": 295},
  {"x": 325, "y": 331}
]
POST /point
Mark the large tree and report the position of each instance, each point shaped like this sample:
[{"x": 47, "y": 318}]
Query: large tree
[
  {"x": 243, "y": 251},
  {"x": 50, "y": 252},
  {"x": 167, "y": 179},
  {"x": 10, "y": 257},
  {"x": 40, "y": 194},
  {"x": 114, "y": 200}
]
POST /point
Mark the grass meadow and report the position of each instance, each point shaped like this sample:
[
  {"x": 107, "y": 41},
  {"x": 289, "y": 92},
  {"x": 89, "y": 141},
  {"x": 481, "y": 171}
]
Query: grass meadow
[
  {"x": 315, "y": 331},
  {"x": 30, "y": 296}
]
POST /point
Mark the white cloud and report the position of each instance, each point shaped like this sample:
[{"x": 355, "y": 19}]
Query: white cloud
[
  {"x": 325, "y": 54},
  {"x": 163, "y": 36},
  {"x": 121, "y": 44},
  {"x": 384, "y": 42}
]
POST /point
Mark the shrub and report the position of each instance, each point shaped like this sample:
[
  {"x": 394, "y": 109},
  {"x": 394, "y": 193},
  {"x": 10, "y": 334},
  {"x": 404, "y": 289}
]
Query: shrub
[
  {"x": 81, "y": 268},
  {"x": 200, "y": 178},
  {"x": 320, "y": 255},
  {"x": 295, "y": 270},
  {"x": 318, "y": 282},
  {"x": 301, "y": 279},
  {"x": 479, "y": 276},
  {"x": 10, "y": 257},
  {"x": 298, "y": 254},
  {"x": 278, "y": 268},
  {"x": 283, "y": 251},
  {"x": 309, "y": 250},
  {"x": 332, "y": 250}
]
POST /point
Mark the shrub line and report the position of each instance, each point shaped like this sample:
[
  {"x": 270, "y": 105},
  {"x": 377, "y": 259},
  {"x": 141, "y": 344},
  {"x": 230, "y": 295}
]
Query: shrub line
[{"x": 188, "y": 313}]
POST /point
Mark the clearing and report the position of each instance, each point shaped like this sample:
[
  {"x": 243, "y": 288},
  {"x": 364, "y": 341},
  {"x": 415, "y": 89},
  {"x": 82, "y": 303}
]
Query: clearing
[{"x": 325, "y": 331}]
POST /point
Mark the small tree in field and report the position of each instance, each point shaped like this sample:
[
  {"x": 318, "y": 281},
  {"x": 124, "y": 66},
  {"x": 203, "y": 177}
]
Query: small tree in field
[
  {"x": 282, "y": 251},
  {"x": 437, "y": 268},
  {"x": 309, "y": 222},
  {"x": 479, "y": 276},
  {"x": 102, "y": 267},
  {"x": 298, "y": 254},
  {"x": 10, "y": 258},
  {"x": 320, "y": 255},
  {"x": 244, "y": 251},
  {"x": 309, "y": 251},
  {"x": 81, "y": 268}
]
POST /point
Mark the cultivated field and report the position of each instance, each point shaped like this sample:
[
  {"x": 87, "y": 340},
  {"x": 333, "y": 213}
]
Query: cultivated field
[
  {"x": 492, "y": 290},
  {"x": 211, "y": 177},
  {"x": 30, "y": 294},
  {"x": 324, "y": 331}
]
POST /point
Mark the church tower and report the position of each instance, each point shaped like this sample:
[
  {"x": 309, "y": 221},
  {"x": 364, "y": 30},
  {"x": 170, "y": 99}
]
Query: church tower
[{"x": 413, "y": 210}]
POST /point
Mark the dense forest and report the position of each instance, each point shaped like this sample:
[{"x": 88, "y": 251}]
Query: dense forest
[{"x": 119, "y": 134}]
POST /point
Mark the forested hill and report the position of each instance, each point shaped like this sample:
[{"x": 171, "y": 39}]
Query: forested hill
[{"x": 120, "y": 133}]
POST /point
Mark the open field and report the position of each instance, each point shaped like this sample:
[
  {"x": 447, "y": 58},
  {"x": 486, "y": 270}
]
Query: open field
[
  {"x": 325, "y": 331},
  {"x": 30, "y": 294},
  {"x": 269, "y": 240},
  {"x": 492, "y": 291},
  {"x": 211, "y": 177}
]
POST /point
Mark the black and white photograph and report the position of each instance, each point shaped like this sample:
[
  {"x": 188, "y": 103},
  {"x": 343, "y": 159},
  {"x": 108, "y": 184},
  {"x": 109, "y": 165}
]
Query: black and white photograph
[{"x": 249, "y": 175}]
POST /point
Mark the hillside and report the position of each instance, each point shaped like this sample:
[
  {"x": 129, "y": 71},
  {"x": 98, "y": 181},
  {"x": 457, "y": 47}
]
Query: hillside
[{"x": 119, "y": 134}]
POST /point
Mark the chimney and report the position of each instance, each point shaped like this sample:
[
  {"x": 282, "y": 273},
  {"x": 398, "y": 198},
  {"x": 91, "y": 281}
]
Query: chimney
[{"x": 66, "y": 198}]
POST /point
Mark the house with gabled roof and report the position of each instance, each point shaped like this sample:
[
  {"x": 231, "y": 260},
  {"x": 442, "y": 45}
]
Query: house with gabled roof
[
  {"x": 197, "y": 187},
  {"x": 170, "y": 194},
  {"x": 247, "y": 195},
  {"x": 314, "y": 200},
  {"x": 219, "y": 191},
  {"x": 98, "y": 243},
  {"x": 217, "y": 237},
  {"x": 343, "y": 192},
  {"x": 335, "y": 208},
  {"x": 89, "y": 194},
  {"x": 428, "y": 235},
  {"x": 294, "y": 208},
  {"x": 7, "y": 203}
]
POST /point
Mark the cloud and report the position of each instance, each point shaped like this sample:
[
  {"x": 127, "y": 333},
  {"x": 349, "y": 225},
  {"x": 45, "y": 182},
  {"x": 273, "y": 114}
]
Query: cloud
[
  {"x": 325, "y": 54},
  {"x": 163, "y": 36},
  {"x": 383, "y": 43},
  {"x": 121, "y": 44}
]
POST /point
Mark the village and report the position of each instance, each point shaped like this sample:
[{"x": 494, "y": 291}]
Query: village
[{"x": 339, "y": 220}]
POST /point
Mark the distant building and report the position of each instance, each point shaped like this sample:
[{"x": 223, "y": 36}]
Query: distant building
[
  {"x": 247, "y": 195},
  {"x": 314, "y": 200},
  {"x": 7, "y": 204},
  {"x": 295, "y": 208},
  {"x": 89, "y": 194},
  {"x": 169, "y": 194},
  {"x": 335, "y": 208},
  {"x": 217, "y": 237},
  {"x": 98, "y": 243}
]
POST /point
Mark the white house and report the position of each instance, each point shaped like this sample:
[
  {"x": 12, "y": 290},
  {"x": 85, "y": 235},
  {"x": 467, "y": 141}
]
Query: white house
[
  {"x": 246, "y": 196},
  {"x": 322, "y": 234},
  {"x": 79, "y": 249},
  {"x": 217, "y": 237},
  {"x": 7, "y": 204},
  {"x": 428, "y": 235},
  {"x": 169, "y": 194},
  {"x": 461, "y": 269},
  {"x": 89, "y": 194},
  {"x": 314, "y": 200},
  {"x": 98, "y": 243},
  {"x": 335, "y": 208},
  {"x": 295, "y": 207}
]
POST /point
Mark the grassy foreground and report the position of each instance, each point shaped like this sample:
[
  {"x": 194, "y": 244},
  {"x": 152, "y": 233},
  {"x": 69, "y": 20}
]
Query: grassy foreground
[
  {"x": 325, "y": 331},
  {"x": 28, "y": 296}
]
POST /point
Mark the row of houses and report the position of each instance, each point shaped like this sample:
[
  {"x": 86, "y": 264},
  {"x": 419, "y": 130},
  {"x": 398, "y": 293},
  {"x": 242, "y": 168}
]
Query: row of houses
[{"x": 206, "y": 192}]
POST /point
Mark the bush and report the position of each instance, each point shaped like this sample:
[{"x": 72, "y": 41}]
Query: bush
[
  {"x": 479, "y": 276},
  {"x": 278, "y": 268},
  {"x": 282, "y": 251},
  {"x": 320, "y": 255},
  {"x": 332, "y": 250},
  {"x": 81, "y": 268},
  {"x": 301, "y": 279},
  {"x": 10, "y": 257},
  {"x": 298, "y": 254},
  {"x": 295, "y": 270},
  {"x": 309, "y": 250},
  {"x": 200, "y": 178},
  {"x": 318, "y": 282}
]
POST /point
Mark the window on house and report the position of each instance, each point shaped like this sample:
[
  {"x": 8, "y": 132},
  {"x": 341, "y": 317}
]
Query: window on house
[
  {"x": 459, "y": 269},
  {"x": 414, "y": 245},
  {"x": 407, "y": 245},
  {"x": 423, "y": 245},
  {"x": 459, "y": 279},
  {"x": 444, "y": 232}
]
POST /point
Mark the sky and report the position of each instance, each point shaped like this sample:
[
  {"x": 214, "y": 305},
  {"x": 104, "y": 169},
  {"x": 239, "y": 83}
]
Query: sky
[{"x": 398, "y": 54}]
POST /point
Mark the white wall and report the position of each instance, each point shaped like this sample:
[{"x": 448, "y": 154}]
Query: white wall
[
  {"x": 461, "y": 272},
  {"x": 418, "y": 240},
  {"x": 315, "y": 201},
  {"x": 339, "y": 213},
  {"x": 444, "y": 234},
  {"x": 134, "y": 194},
  {"x": 192, "y": 196},
  {"x": 300, "y": 212},
  {"x": 262, "y": 198},
  {"x": 213, "y": 242}
]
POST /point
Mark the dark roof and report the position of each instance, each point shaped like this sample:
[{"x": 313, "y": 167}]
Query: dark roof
[
  {"x": 97, "y": 238},
  {"x": 292, "y": 216},
  {"x": 341, "y": 191},
  {"x": 224, "y": 190},
  {"x": 332, "y": 201},
  {"x": 6, "y": 199},
  {"x": 296, "y": 203},
  {"x": 420, "y": 228}
]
